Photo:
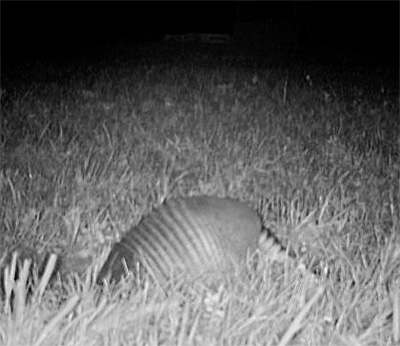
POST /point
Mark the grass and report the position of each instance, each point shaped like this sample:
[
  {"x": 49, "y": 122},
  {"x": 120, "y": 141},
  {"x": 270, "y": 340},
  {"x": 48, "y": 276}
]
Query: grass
[{"x": 88, "y": 146}]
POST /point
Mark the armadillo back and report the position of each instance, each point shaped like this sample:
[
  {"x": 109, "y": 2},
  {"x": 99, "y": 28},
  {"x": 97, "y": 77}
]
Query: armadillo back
[{"x": 193, "y": 236}]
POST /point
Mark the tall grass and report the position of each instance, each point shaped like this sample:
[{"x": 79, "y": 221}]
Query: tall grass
[{"x": 88, "y": 148}]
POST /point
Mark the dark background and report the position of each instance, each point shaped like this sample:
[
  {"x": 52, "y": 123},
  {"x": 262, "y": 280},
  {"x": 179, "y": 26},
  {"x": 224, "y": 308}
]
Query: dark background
[{"x": 363, "y": 28}]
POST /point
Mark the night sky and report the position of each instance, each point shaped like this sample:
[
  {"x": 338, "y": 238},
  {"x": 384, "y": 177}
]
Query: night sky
[{"x": 32, "y": 27}]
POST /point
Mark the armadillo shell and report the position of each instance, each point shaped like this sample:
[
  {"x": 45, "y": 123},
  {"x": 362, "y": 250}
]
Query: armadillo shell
[{"x": 191, "y": 236}]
